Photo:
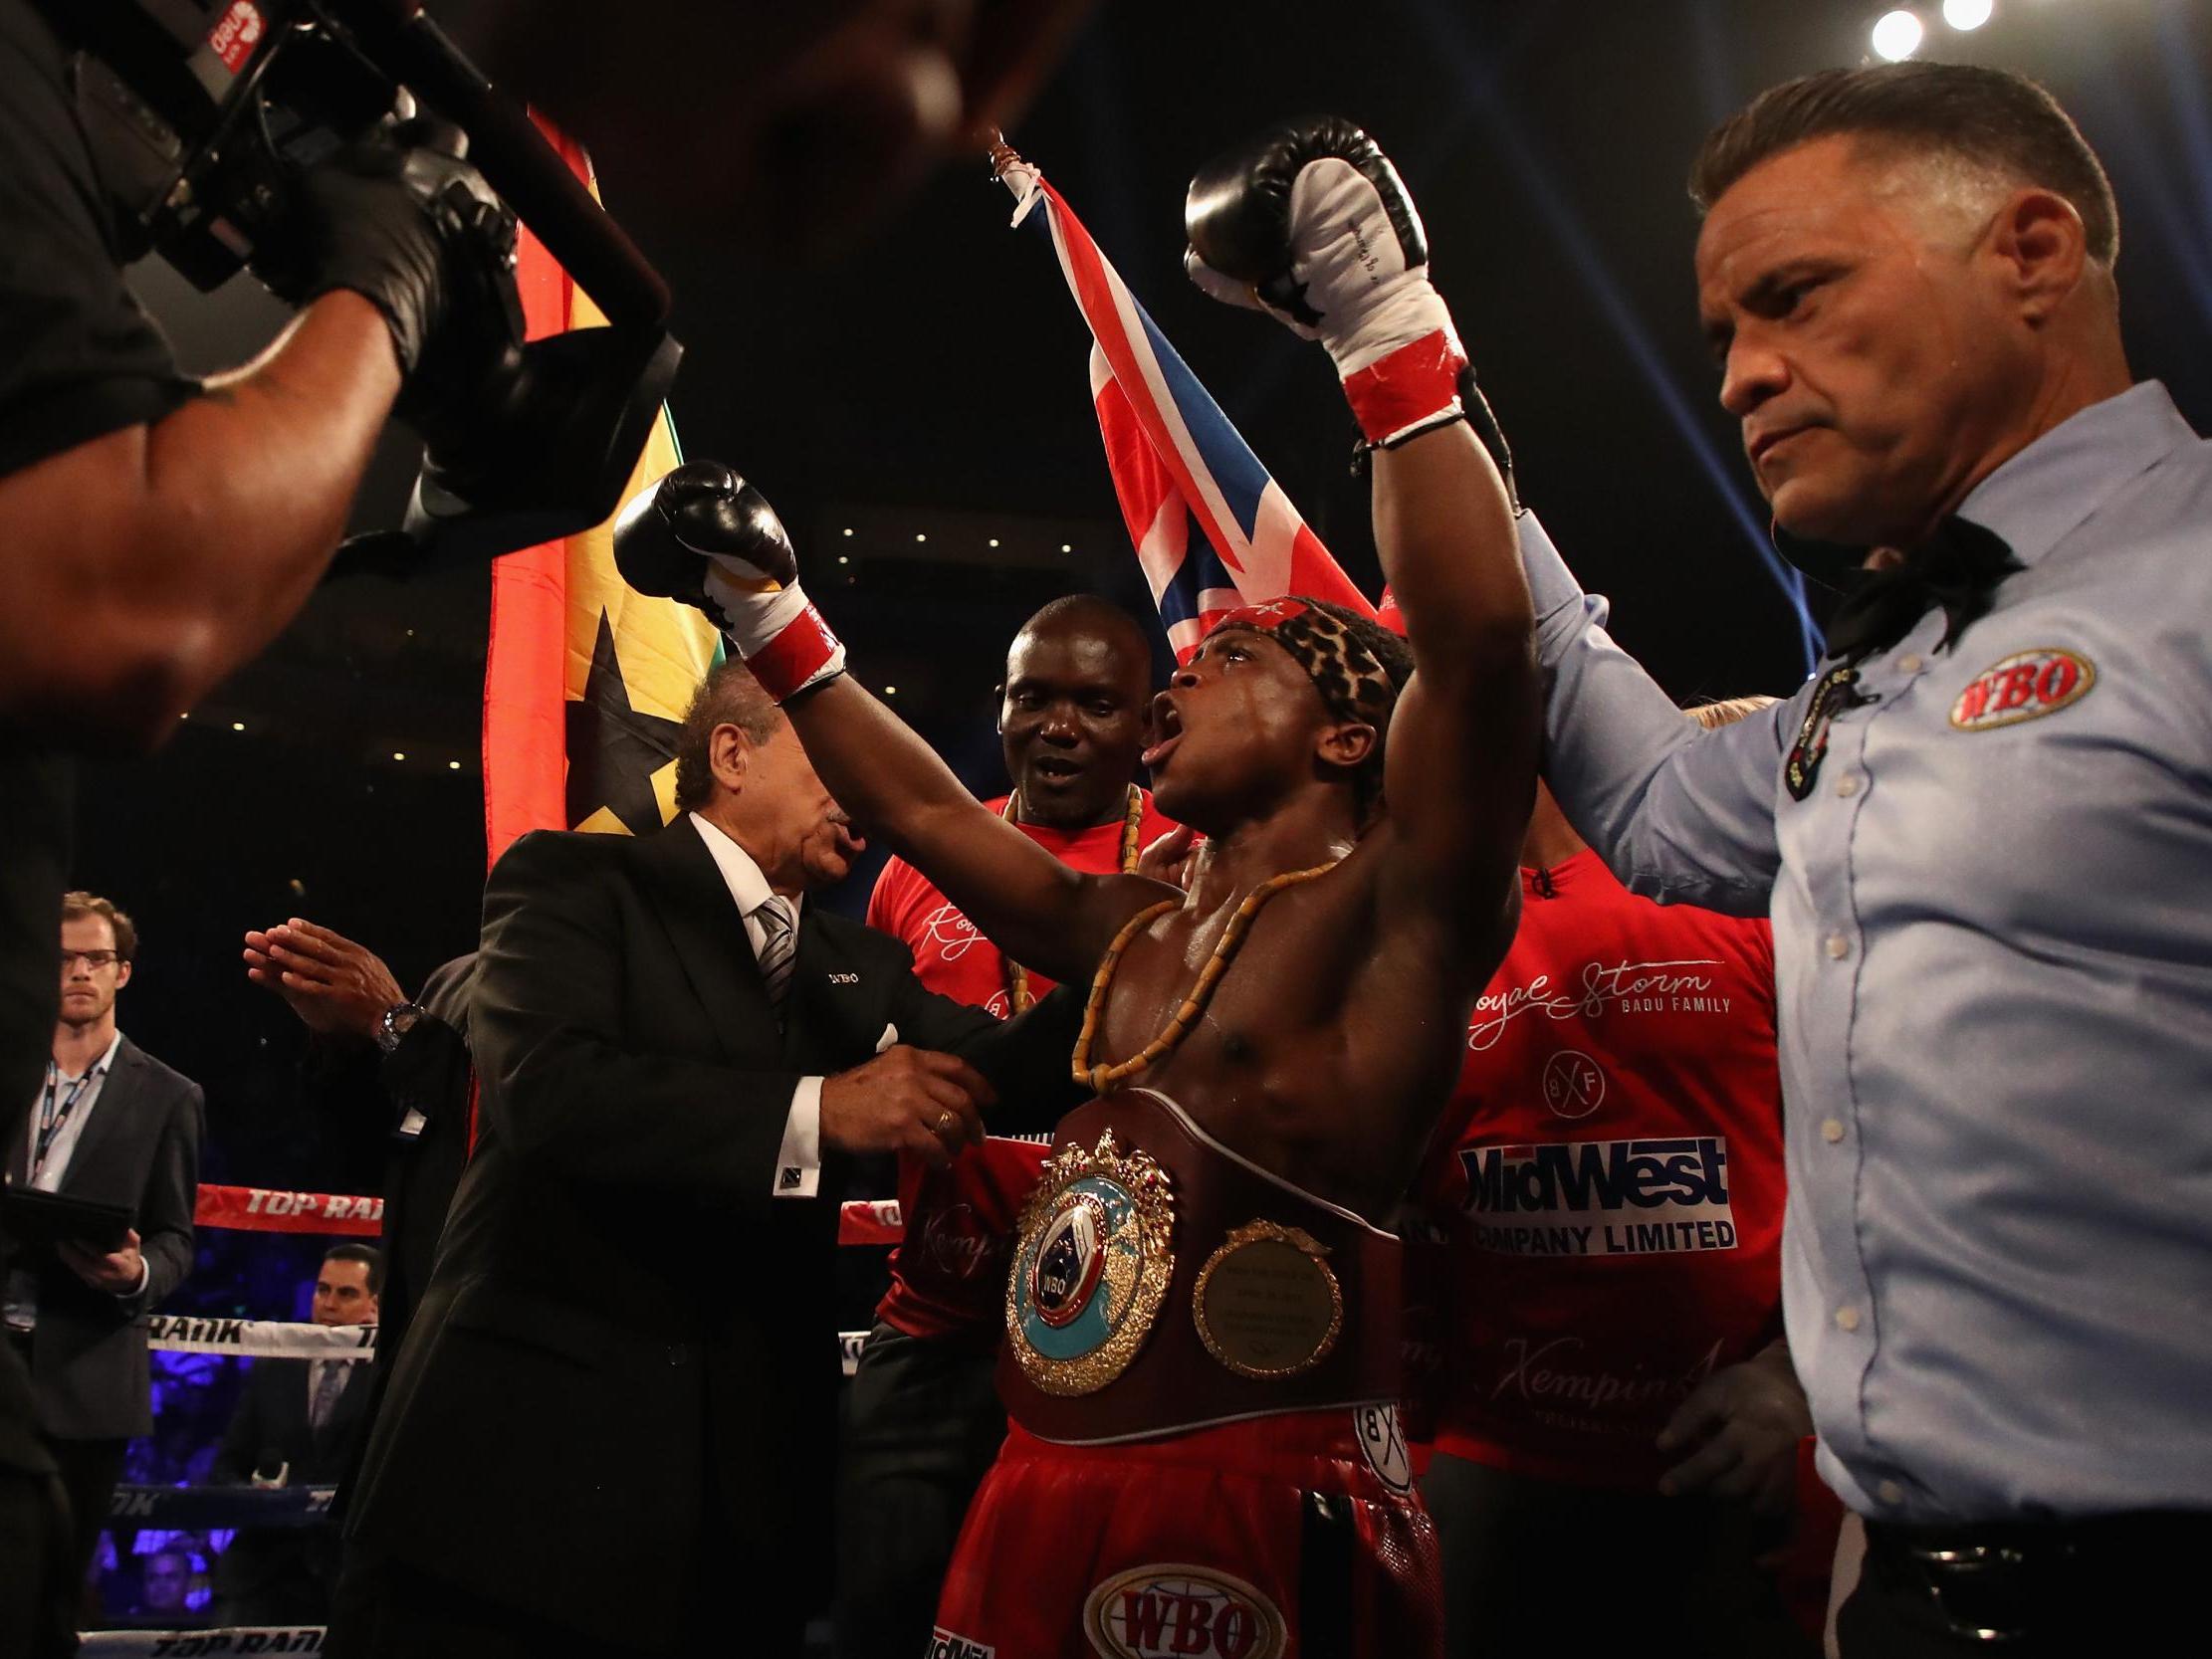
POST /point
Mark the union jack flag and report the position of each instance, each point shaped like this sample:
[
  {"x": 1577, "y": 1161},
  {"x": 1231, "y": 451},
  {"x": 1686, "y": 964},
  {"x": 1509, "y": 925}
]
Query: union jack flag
[{"x": 1177, "y": 461}]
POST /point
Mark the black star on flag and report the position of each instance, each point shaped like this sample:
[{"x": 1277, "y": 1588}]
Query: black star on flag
[
  {"x": 585, "y": 681},
  {"x": 615, "y": 748}
]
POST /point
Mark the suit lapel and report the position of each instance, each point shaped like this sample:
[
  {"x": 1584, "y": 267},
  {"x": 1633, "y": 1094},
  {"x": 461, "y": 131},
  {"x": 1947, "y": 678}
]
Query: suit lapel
[
  {"x": 827, "y": 1001},
  {"x": 299, "y": 1393},
  {"x": 687, "y": 892},
  {"x": 111, "y": 1114},
  {"x": 802, "y": 1016}
]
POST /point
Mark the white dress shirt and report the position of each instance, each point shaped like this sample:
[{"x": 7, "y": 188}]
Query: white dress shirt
[{"x": 799, "y": 1161}]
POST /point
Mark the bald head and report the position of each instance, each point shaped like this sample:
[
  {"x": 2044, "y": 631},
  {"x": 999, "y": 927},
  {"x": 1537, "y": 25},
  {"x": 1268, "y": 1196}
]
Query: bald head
[
  {"x": 1072, "y": 711},
  {"x": 1075, "y": 615}
]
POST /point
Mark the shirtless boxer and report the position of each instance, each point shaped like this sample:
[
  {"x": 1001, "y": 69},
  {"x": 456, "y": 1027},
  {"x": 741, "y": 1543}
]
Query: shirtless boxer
[{"x": 1202, "y": 1357}]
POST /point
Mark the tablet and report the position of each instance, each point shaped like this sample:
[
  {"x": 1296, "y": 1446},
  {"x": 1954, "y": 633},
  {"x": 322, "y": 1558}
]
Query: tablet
[{"x": 31, "y": 1217}]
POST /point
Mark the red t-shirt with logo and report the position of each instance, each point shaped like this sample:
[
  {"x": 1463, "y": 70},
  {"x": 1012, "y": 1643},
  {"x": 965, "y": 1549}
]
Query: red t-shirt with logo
[
  {"x": 948, "y": 1276},
  {"x": 1609, "y": 1183}
]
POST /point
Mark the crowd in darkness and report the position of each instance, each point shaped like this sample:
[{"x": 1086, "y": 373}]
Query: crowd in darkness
[{"x": 166, "y": 1577}]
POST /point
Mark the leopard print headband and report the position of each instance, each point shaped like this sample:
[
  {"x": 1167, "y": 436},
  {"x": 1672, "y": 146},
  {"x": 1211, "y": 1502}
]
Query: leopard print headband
[{"x": 1350, "y": 677}]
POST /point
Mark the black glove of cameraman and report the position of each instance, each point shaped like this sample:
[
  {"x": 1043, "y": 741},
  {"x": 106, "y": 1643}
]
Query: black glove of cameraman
[{"x": 399, "y": 218}]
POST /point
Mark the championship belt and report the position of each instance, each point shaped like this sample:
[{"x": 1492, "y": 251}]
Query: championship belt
[
  {"x": 1160, "y": 1282},
  {"x": 1096, "y": 1252}
]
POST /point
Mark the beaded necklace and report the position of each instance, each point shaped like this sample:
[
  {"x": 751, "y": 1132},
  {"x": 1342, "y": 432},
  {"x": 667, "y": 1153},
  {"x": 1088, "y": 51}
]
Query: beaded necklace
[
  {"x": 1020, "y": 999},
  {"x": 1098, "y": 1078}
]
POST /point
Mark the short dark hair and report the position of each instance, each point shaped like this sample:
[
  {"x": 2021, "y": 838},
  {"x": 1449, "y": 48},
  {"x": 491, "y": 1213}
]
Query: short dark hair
[
  {"x": 1990, "y": 116},
  {"x": 729, "y": 696},
  {"x": 1397, "y": 660},
  {"x": 77, "y": 905},
  {"x": 367, "y": 1255}
]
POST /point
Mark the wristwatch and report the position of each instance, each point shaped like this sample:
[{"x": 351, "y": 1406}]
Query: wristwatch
[{"x": 398, "y": 1020}]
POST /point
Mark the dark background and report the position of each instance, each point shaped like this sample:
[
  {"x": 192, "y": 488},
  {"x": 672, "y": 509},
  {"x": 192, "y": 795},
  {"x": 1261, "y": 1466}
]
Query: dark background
[
  {"x": 932, "y": 378},
  {"x": 931, "y": 381}
]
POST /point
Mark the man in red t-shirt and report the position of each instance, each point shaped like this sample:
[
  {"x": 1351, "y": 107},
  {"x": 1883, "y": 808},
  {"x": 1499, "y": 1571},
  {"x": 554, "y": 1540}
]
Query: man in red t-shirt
[
  {"x": 1614, "y": 1417},
  {"x": 925, "y": 1422}
]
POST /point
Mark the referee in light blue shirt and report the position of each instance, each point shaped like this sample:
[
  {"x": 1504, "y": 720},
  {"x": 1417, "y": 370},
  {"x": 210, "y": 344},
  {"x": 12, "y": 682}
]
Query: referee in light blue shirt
[{"x": 1984, "y": 832}]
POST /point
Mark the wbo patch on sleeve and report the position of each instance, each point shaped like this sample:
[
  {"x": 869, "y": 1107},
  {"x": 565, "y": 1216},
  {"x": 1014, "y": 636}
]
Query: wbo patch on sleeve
[{"x": 2022, "y": 687}]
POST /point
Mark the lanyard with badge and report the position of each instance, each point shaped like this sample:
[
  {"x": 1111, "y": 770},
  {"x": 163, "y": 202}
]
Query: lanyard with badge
[{"x": 55, "y": 1108}]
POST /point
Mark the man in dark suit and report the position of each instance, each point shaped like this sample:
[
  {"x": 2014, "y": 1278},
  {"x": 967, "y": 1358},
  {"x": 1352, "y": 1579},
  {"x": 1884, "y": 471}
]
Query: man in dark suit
[
  {"x": 399, "y": 1069},
  {"x": 396, "y": 1065},
  {"x": 610, "y": 1429},
  {"x": 299, "y": 1422},
  {"x": 110, "y": 1124}
]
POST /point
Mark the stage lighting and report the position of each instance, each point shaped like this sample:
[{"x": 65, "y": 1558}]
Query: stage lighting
[
  {"x": 1967, "y": 14},
  {"x": 1897, "y": 35}
]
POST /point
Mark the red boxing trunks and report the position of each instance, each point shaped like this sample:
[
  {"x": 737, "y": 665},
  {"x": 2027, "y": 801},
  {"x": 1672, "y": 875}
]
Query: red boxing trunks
[
  {"x": 1213, "y": 1354},
  {"x": 1291, "y": 1537}
]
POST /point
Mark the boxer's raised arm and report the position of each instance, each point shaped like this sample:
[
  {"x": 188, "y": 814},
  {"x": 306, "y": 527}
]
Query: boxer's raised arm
[
  {"x": 1027, "y": 902},
  {"x": 1459, "y": 771},
  {"x": 706, "y": 536},
  {"x": 1311, "y": 223}
]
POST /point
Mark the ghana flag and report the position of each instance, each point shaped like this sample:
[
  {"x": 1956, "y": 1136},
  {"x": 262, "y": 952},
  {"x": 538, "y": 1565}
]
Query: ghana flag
[{"x": 585, "y": 681}]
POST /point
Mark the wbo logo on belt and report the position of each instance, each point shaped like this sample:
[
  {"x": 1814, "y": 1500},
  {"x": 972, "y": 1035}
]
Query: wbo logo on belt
[{"x": 1091, "y": 1266}]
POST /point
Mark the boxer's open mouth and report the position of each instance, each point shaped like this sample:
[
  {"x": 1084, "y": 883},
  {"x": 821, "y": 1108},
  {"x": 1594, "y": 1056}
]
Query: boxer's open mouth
[
  {"x": 1054, "y": 769},
  {"x": 1167, "y": 733}
]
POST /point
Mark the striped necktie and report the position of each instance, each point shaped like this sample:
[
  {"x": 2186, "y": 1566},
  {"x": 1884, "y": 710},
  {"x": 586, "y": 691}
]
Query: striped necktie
[
  {"x": 327, "y": 1378},
  {"x": 779, "y": 944}
]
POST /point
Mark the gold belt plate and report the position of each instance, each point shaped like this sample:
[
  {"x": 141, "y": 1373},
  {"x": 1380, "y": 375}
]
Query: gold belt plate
[
  {"x": 1093, "y": 1255},
  {"x": 1266, "y": 1303}
]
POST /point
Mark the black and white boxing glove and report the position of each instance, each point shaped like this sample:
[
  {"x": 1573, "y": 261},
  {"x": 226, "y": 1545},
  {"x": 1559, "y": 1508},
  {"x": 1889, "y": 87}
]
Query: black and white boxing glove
[
  {"x": 709, "y": 539},
  {"x": 1310, "y": 223}
]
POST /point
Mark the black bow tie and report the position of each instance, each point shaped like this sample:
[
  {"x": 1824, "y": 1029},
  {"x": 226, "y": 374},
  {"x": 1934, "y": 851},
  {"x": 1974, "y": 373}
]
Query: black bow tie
[{"x": 1958, "y": 568}]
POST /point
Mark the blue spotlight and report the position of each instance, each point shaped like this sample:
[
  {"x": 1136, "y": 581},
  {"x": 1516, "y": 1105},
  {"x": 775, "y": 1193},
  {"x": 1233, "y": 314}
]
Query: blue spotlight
[{"x": 1550, "y": 201}]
